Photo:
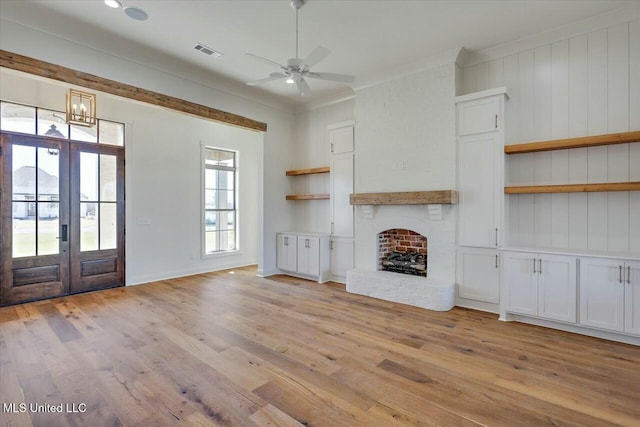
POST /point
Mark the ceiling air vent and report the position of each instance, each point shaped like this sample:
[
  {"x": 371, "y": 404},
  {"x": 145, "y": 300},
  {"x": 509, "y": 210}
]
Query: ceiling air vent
[{"x": 207, "y": 50}]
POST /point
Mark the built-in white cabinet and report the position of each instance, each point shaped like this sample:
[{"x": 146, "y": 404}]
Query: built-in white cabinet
[
  {"x": 341, "y": 137},
  {"x": 480, "y": 112},
  {"x": 304, "y": 254},
  {"x": 287, "y": 252},
  {"x": 480, "y": 189},
  {"x": 480, "y": 144},
  {"x": 341, "y": 143},
  {"x": 478, "y": 274},
  {"x": 610, "y": 294},
  {"x": 540, "y": 285},
  {"x": 341, "y": 188},
  {"x": 342, "y": 252}
]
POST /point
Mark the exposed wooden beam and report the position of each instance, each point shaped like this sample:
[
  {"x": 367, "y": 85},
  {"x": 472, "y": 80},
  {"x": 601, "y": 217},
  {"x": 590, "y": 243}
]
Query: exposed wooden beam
[
  {"x": 297, "y": 172},
  {"x": 36, "y": 67},
  {"x": 585, "y": 141},
  {"x": 404, "y": 198},
  {"x": 574, "y": 188}
]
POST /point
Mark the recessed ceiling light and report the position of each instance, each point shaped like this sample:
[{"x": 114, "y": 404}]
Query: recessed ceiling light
[
  {"x": 113, "y": 3},
  {"x": 135, "y": 13}
]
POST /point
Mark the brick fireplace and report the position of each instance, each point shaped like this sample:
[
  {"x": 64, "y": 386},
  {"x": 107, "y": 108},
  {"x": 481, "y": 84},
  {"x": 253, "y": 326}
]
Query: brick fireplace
[{"x": 402, "y": 251}]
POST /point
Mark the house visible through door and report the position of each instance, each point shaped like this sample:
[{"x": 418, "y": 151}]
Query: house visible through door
[{"x": 61, "y": 206}]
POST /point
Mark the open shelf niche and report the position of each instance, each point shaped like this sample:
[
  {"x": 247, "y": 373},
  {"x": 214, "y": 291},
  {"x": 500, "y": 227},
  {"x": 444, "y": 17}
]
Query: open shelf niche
[
  {"x": 569, "y": 143},
  {"x": 308, "y": 171}
]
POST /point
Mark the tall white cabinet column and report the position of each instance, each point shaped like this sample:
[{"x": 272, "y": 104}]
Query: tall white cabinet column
[
  {"x": 480, "y": 145},
  {"x": 341, "y": 140}
]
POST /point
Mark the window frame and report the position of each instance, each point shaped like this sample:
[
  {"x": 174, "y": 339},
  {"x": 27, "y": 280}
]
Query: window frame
[{"x": 203, "y": 201}]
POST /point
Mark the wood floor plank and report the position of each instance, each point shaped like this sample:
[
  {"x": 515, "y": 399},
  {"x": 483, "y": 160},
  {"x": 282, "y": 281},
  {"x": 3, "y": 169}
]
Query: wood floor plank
[{"x": 201, "y": 350}]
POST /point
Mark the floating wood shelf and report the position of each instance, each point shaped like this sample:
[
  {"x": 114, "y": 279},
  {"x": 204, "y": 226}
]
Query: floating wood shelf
[
  {"x": 438, "y": 197},
  {"x": 297, "y": 172},
  {"x": 574, "y": 188},
  {"x": 308, "y": 197},
  {"x": 585, "y": 141}
]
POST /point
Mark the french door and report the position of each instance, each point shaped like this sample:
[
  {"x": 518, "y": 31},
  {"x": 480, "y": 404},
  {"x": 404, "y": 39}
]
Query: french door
[{"x": 61, "y": 217}]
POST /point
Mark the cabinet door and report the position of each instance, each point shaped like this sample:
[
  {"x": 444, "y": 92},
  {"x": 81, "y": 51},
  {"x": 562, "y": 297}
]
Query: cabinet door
[
  {"x": 478, "y": 274},
  {"x": 478, "y": 171},
  {"x": 521, "y": 281},
  {"x": 478, "y": 116},
  {"x": 341, "y": 257},
  {"x": 309, "y": 255},
  {"x": 341, "y": 139},
  {"x": 286, "y": 256},
  {"x": 602, "y": 293},
  {"x": 557, "y": 287},
  {"x": 632, "y": 297},
  {"x": 341, "y": 189}
]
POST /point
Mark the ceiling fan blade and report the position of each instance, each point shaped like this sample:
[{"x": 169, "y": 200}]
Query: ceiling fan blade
[
  {"x": 265, "y": 60},
  {"x": 334, "y": 77},
  {"x": 316, "y": 55},
  {"x": 272, "y": 76},
  {"x": 303, "y": 86}
]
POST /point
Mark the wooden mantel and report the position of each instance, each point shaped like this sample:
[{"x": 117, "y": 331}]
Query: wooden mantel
[{"x": 436, "y": 197}]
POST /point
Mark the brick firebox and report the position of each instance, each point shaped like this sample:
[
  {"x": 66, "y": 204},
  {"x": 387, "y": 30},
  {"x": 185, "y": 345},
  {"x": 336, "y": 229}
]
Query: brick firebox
[{"x": 402, "y": 241}]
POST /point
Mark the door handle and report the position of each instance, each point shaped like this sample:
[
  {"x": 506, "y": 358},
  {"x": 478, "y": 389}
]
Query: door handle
[
  {"x": 620, "y": 274},
  {"x": 540, "y": 265},
  {"x": 64, "y": 232},
  {"x": 534, "y": 266},
  {"x": 628, "y": 274}
]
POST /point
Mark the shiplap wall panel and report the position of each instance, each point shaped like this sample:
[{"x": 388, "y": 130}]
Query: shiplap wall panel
[
  {"x": 618, "y": 121},
  {"x": 312, "y": 150},
  {"x": 586, "y": 85}
]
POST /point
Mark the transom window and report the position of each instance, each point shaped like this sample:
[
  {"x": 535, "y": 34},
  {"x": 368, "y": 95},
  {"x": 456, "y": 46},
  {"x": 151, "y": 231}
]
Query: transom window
[
  {"x": 40, "y": 121},
  {"x": 220, "y": 210}
]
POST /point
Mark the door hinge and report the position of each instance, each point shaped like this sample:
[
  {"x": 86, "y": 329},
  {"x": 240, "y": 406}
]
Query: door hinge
[
  {"x": 332, "y": 148},
  {"x": 332, "y": 228}
]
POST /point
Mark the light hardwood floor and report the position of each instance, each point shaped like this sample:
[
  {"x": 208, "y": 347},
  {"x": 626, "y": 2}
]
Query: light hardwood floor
[{"x": 203, "y": 350}]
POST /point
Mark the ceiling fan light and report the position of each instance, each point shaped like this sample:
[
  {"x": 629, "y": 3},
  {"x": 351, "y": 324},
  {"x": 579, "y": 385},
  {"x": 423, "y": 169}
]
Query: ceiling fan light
[{"x": 290, "y": 80}]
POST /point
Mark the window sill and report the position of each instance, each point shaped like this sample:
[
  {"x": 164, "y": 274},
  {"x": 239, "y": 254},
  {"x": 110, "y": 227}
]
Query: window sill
[{"x": 222, "y": 254}]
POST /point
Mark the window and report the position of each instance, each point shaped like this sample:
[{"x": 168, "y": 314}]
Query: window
[
  {"x": 40, "y": 121},
  {"x": 220, "y": 210}
]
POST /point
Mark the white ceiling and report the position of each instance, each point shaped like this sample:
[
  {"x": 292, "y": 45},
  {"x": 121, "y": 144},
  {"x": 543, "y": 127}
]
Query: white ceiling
[{"x": 372, "y": 40}]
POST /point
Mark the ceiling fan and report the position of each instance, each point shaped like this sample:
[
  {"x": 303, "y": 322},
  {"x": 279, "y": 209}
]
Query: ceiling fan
[{"x": 297, "y": 69}]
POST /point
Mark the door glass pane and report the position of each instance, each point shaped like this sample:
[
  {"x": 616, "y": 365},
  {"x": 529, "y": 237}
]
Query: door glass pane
[
  {"x": 89, "y": 226},
  {"x": 107, "y": 178},
  {"x": 17, "y": 118},
  {"x": 48, "y": 174},
  {"x": 110, "y": 133},
  {"x": 108, "y": 229},
  {"x": 210, "y": 221},
  {"x": 52, "y": 123},
  {"x": 24, "y": 172},
  {"x": 89, "y": 177},
  {"x": 48, "y": 228},
  {"x": 24, "y": 229},
  {"x": 84, "y": 133}
]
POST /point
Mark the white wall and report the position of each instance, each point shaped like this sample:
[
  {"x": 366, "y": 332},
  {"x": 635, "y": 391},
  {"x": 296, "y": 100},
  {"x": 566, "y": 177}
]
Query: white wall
[
  {"x": 273, "y": 211},
  {"x": 405, "y": 141},
  {"x": 311, "y": 149},
  {"x": 584, "y": 85},
  {"x": 163, "y": 179}
]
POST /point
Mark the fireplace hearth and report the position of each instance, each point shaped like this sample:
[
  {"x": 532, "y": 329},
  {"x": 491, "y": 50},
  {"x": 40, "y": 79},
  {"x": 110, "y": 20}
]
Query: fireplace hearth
[{"x": 402, "y": 251}]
